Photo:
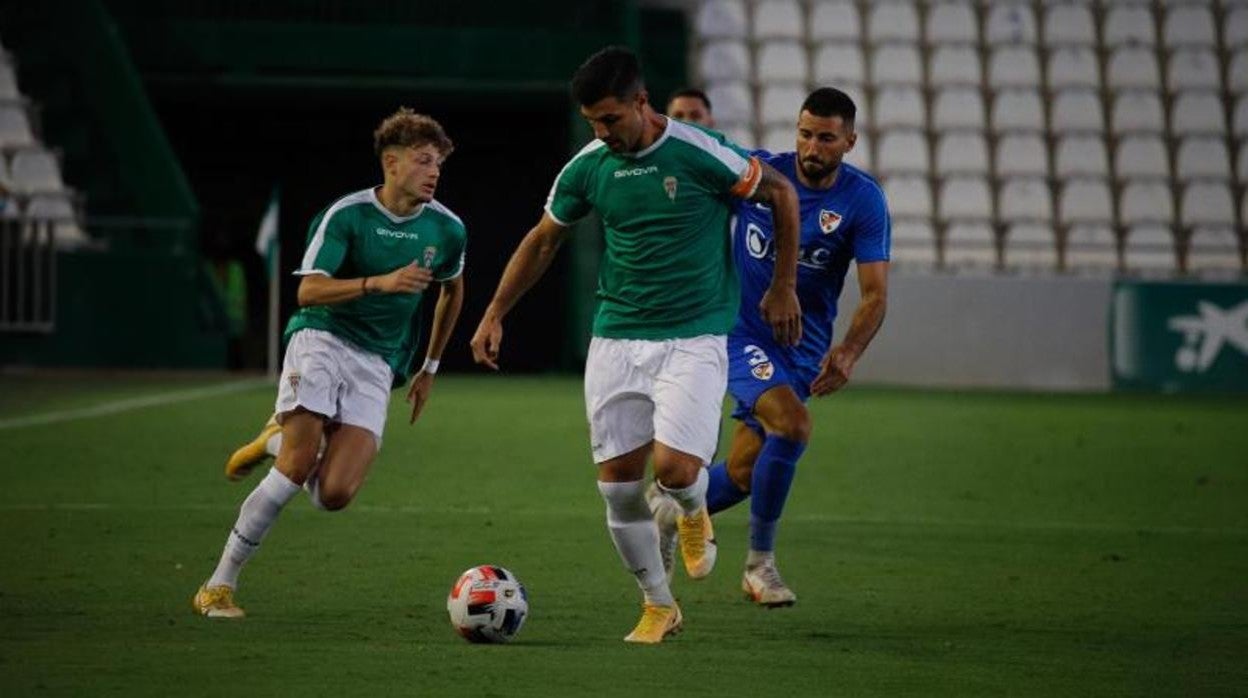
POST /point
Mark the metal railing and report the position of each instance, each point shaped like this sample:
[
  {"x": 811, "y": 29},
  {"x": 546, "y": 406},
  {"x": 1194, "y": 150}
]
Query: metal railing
[{"x": 27, "y": 275}]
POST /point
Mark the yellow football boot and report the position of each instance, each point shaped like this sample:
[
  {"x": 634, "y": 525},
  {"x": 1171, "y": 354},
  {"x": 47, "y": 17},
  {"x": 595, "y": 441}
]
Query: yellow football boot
[
  {"x": 657, "y": 622},
  {"x": 251, "y": 454},
  {"x": 697, "y": 543},
  {"x": 216, "y": 602}
]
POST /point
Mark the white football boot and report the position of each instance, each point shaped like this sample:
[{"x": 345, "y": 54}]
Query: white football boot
[{"x": 763, "y": 585}]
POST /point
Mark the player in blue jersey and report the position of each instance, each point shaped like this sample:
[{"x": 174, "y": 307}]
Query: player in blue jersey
[{"x": 844, "y": 218}]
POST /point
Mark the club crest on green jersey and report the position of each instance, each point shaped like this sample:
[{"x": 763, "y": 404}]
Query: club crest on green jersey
[
  {"x": 430, "y": 253},
  {"x": 669, "y": 186}
]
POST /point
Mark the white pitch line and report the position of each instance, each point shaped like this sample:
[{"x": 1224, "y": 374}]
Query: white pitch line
[{"x": 129, "y": 404}]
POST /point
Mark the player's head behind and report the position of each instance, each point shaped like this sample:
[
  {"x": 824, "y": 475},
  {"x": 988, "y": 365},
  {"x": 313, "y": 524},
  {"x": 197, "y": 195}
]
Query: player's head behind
[
  {"x": 612, "y": 95},
  {"x": 692, "y": 105},
  {"x": 825, "y": 131},
  {"x": 412, "y": 148}
]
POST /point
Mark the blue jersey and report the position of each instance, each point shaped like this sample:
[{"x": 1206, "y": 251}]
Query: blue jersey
[{"x": 848, "y": 222}]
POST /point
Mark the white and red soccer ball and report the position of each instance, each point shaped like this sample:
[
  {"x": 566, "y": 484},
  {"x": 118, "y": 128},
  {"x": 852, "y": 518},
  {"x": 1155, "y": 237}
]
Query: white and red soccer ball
[{"x": 487, "y": 604}]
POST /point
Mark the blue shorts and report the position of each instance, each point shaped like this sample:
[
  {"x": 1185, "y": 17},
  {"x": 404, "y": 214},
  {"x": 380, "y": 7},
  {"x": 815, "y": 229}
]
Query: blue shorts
[{"x": 757, "y": 365}]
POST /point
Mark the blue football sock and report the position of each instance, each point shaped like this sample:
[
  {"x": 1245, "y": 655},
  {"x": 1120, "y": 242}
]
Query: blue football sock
[
  {"x": 721, "y": 491},
  {"x": 773, "y": 474}
]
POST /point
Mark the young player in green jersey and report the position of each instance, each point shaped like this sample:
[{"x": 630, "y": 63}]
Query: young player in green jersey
[
  {"x": 667, "y": 295},
  {"x": 369, "y": 258}
]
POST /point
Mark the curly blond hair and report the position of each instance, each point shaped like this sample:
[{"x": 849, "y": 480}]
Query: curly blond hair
[{"x": 408, "y": 129}]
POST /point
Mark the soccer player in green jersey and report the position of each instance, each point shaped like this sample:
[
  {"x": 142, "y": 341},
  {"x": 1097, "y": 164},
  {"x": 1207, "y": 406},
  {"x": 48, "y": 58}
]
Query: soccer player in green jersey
[
  {"x": 667, "y": 295},
  {"x": 369, "y": 258}
]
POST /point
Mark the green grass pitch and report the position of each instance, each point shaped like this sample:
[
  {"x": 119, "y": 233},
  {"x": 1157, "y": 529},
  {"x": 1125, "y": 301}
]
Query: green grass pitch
[{"x": 940, "y": 544}]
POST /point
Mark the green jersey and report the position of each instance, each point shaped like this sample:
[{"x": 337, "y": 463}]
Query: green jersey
[
  {"x": 357, "y": 237},
  {"x": 667, "y": 271}
]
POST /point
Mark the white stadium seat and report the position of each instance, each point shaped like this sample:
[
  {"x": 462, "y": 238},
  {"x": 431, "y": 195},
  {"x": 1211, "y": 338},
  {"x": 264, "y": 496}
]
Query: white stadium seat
[
  {"x": 1022, "y": 154},
  {"x": 861, "y": 155},
  {"x": 1129, "y": 24},
  {"x": 902, "y": 152},
  {"x": 896, "y": 64},
  {"x": 1202, "y": 157},
  {"x": 1074, "y": 66},
  {"x": 1207, "y": 204},
  {"x": 781, "y": 61},
  {"x": 1081, "y": 156},
  {"x": 1240, "y": 125},
  {"x": 742, "y": 136},
  {"x": 1077, "y": 111},
  {"x": 1017, "y": 110},
  {"x": 1141, "y": 157},
  {"x": 1241, "y": 162},
  {"x": 958, "y": 108},
  {"x": 8, "y": 82},
  {"x": 779, "y": 139},
  {"x": 964, "y": 198},
  {"x": 1013, "y": 66},
  {"x": 961, "y": 153},
  {"x": 1132, "y": 67},
  {"x": 721, "y": 19},
  {"x": 1010, "y": 23},
  {"x": 1237, "y": 72},
  {"x": 1025, "y": 199},
  {"x": 1213, "y": 249},
  {"x": 1146, "y": 202},
  {"x": 59, "y": 208},
  {"x": 839, "y": 63},
  {"x": 1197, "y": 113},
  {"x": 1193, "y": 68},
  {"x": 899, "y": 107},
  {"x": 892, "y": 21},
  {"x": 778, "y": 19},
  {"x": 1189, "y": 26},
  {"x": 1091, "y": 246},
  {"x": 1149, "y": 248},
  {"x": 1137, "y": 112},
  {"x": 1031, "y": 246},
  {"x": 909, "y": 197},
  {"x": 723, "y": 60},
  {"x": 15, "y": 128},
  {"x": 1066, "y": 25},
  {"x": 732, "y": 102},
  {"x": 913, "y": 243},
  {"x": 1235, "y": 28},
  {"x": 970, "y": 244},
  {"x": 835, "y": 20},
  {"x": 951, "y": 23},
  {"x": 955, "y": 65},
  {"x": 35, "y": 170},
  {"x": 1085, "y": 201},
  {"x": 779, "y": 104}
]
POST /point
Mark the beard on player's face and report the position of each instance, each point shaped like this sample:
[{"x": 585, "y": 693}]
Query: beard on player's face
[{"x": 818, "y": 168}]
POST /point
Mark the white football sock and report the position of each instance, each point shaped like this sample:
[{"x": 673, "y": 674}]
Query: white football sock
[
  {"x": 636, "y": 537},
  {"x": 693, "y": 497},
  {"x": 273, "y": 445},
  {"x": 256, "y": 516}
]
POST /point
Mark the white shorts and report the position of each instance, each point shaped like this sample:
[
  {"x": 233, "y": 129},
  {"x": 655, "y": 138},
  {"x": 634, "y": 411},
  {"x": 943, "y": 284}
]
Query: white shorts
[
  {"x": 671, "y": 391},
  {"x": 330, "y": 376}
]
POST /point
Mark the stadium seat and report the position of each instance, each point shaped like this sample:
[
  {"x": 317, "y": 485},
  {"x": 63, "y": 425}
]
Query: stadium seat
[
  {"x": 1213, "y": 251},
  {"x": 1074, "y": 66},
  {"x": 1189, "y": 26},
  {"x": 1013, "y": 66},
  {"x": 778, "y": 19},
  {"x": 909, "y": 197},
  {"x": 35, "y": 170},
  {"x": 1091, "y": 247},
  {"x": 724, "y": 60},
  {"x": 1146, "y": 202},
  {"x": 892, "y": 21},
  {"x": 961, "y": 153},
  {"x": 1022, "y": 154},
  {"x": 1197, "y": 112},
  {"x": 896, "y": 64},
  {"x": 1149, "y": 248},
  {"x": 958, "y": 108},
  {"x": 1235, "y": 29},
  {"x": 964, "y": 198},
  {"x": 970, "y": 244},
  {"x": 1240, "y": 125},
  {"x": 1137, "y": 112},
  {"x": 58, "y": 207},
  {"x": 1085, "y": 201},
  {"x": 1025, "y": 199},
  {"x": 1141, "y": 157},
  {"x": 1207, "y": 204},
  {"x": 8, "y": 82},
  {"x": 15, "y": 128},
  {"x": 899, "y": 107},
  {"x": 1193, "y": 68},
  {"x": 913, "y": 243},
  {"x": 839, "y": 63},
  {"x": 1237, "y": 73},
  {"x": 779, "y": 104},
  {"x": 743, "y": 136},
  {"x": 1202, "y": 157},
  {"x": 951, "y": 23},
  {"x": 954, "y": 65},
  {"x": 1132, "y": 67},
  {"x": 779, "y": 139},
  {"x": 1129, "y": 24},
  {"x": 1081, "y": 156},
  {"x": 902, "y": 152},
  {"x": 781, "y": 61},
  {"x": 1017, "y": 110},
  {"x": 1030, "y": 246},
  {"x": 1067, "y": 25},
  {"x": 861, "y": 156},
  {"x": 835, "y": 20},
  {"x": 733, "y": 102},
  {"x": 1077, "y": 111},
  {"x": 721, "y": 19},
  {"x": 1010, "y": 23}
]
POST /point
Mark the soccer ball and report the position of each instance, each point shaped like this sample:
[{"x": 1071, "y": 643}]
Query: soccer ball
[{"x": 487, "y": 604}]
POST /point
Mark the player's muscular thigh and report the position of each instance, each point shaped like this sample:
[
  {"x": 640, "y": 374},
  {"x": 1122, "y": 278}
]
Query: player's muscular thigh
[{"x": 781, "y": 413}]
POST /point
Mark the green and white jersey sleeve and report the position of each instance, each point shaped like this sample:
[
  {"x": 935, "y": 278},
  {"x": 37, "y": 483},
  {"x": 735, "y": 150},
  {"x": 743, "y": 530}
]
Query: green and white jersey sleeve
[
  {"x": 569, "y": 201},
  {"x": 329, "y": 236}
]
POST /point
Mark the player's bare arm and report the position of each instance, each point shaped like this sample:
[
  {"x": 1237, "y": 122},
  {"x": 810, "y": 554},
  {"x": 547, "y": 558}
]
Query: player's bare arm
[
  {"x": 445, "y": 315},
  {"x": 527, "y": 264},
  {"x": 838, "y": 363},
  {"x": 318, "y": 289},
  {"x": 779, "y": 306}
]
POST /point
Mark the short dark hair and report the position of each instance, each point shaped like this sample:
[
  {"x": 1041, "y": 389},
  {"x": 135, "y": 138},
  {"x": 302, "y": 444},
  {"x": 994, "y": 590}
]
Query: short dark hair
[
  {"x": 408, "y": 129},
  {"x": 612, "y": 72},
  {"x": 691, "y": 92},
  {"x": 829, "y": 101}
]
